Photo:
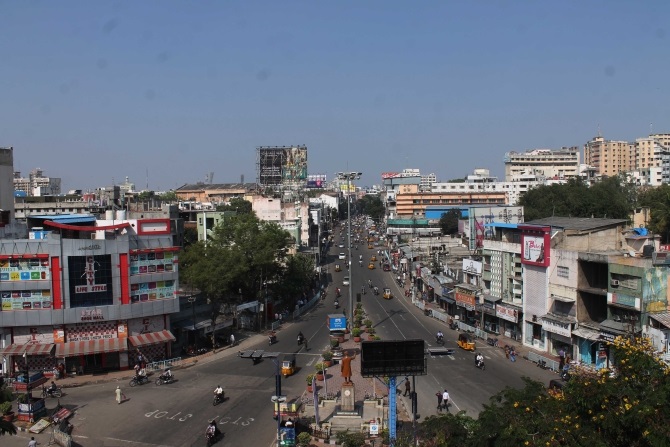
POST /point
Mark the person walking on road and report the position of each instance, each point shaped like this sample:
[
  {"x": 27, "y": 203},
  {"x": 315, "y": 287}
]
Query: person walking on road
[
  {"x": 439, "y": 400},
  {"x": 32, "y": 442},
  {"x": 445, "y": 399},
  {"x": 232, "y": 340},
  {"x": 119, "y": 395},
  {"x": 408, "y": 387}
]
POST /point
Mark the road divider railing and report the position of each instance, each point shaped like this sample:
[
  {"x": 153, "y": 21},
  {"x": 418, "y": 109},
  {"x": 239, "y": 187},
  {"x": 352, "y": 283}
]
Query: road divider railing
[{"x": 164, "y": 364}]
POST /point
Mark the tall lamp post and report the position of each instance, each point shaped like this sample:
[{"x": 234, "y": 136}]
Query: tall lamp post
[{"x": 349, "y": 176}]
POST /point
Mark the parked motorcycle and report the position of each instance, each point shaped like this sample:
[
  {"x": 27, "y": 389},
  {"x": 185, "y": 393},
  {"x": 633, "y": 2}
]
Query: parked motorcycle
[
  {"x": 219, "y": 398},
  {"x": 164, "y": 379},
  {"x": 492, "y": 342},
  {"x": 48, "y": 392},
  {"x": 139, "y": 380},
  {"x": 542, "y": 364}
]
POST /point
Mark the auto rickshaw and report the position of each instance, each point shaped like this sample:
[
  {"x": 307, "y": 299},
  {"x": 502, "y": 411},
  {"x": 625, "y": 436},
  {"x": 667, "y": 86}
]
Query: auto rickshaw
[
  {"x": 287, "y": 368},
  {"x": 370, "y": 246},
  {"x": 466, "y": 341},
  {"x": 373, "y": 258},
  {"x": 371, "y": 265},
  {"x": 387, "y": 294},
  {"x": 338, "y": 268}
]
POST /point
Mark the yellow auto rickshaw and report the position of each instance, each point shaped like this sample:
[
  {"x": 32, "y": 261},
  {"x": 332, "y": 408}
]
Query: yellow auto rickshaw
[
  {"x": 370, "y": 246},
  {"x": 371, "y": 265},
  {"x": 338, "y": 268},
  {"x": 287, "y": 368},
  {"x": 387, "y": 294},
  {"x": 466, "y": 341},
  {"x": 373, "y": 258}
]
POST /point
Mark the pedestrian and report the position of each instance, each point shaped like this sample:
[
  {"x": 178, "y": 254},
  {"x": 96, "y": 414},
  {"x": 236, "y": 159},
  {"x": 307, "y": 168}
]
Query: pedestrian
[
  {"x": 276, "y": 316},
  {"x": 408, "y": 387},
  {"x": 445, "y": 399},
  {"x": 232, "y": 340},
  {"x": 32, "y": 442},
  {"x": 506, "y": 351},
  {"x": 512, "y": 355},
  {"x": 140, "y": 359},
  {"x": 561, "y": 359},
  {"x": 439, "y": 400},
  {"x": 119, "y": 394}
]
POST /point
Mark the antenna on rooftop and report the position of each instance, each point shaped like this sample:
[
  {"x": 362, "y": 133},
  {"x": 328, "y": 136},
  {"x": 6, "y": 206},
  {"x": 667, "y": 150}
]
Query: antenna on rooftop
[
  {"x": 599, "y": 134},
  {"x": 651, "y": 128}
]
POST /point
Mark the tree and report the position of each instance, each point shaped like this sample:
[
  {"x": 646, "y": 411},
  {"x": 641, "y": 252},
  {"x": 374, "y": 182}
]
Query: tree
[
  {"x": 297, "y": 277},
  {"x": 449, "y": 221},
  {"x": 658, "y": 201},
  {"x": 237, "y": 204},
  {"x": 373, "y": 206},
  {"x": 611, "y": 197},
  {"x": 169, "y": 196},
  {"x": 242, "y": 254}
]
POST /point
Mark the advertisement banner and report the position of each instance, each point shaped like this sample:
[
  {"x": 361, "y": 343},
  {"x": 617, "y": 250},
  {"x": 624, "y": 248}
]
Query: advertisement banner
[
  {"x": 535, "y": 246},
  {"x": 31, "y": 269},
  {"x": 465, "y": 299},
  {"x": 90, "y": 279},
  {"x": 26, "y": 300},
  {"x": 507, "y": 313}
]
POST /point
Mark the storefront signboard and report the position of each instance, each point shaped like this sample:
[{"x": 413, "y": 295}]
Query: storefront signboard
[
  {"x": 507, "y": 313},
  {"x": 556, "y": 327}
]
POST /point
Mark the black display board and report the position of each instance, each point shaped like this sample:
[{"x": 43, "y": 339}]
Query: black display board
[{"x": 393, "y": 358}]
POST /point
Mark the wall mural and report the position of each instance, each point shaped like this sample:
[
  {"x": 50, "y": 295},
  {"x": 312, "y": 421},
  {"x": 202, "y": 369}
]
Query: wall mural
[{"x": 655, "y": 290}]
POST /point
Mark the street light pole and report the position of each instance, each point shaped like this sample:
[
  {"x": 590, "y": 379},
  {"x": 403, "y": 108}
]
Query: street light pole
[{"x": 349, "y": 176}]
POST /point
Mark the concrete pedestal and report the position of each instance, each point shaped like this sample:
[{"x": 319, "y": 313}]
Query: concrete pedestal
[{"x": 348, "y": 397}]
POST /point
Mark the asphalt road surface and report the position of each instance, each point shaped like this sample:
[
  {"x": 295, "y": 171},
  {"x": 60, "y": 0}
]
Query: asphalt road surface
[{"x": 177, "y": 414}]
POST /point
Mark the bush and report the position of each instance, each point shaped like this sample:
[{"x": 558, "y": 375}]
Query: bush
[
  {"x": 371, "y": 330},
  {"x": 327, "y": 356},
  {"x": 368, "y": 323},
  {"x": 350, "y": 439},
  {"x": 319, "y": 367},
  {"x": 304, "y": 439},
  {"x": 6, "y": 407},
  {"x": 356, "y": 332},
  {"x": 334, "y": 343},
  {"x": 309, "y": 379}
]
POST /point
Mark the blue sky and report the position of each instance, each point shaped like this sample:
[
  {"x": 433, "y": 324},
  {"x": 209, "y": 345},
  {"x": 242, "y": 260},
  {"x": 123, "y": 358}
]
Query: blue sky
[{"x": 93, "y": 92}]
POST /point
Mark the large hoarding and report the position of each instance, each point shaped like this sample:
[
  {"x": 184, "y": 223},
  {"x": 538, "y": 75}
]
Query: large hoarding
[
  {"x": 479, "y": 216},
  {"x": 535, "y": 245},
  {"x": 316, "y": 181},
  {"x": 282, "y": 165},
  {"x": 90, "y": 280}
]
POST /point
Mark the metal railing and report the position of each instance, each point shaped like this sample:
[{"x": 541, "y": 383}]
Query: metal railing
[
  {"x": 163, "y": 364},
  {"x": 550, "y": 363}
]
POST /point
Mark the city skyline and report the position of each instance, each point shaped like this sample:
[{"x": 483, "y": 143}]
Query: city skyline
[{"x": 166, "y": 92}]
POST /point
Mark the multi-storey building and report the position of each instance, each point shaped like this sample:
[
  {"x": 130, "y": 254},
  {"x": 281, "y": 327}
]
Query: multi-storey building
[
  {"x": 92, "y": 294},
  {"x": 37, "y": 184},
  {"x": 6, "y": 186},
  {"x": 410, "y": 203},
  {"x": 559, "y": 164},
  {"x": 609, "y": 157},
  {"x": 652, "y": 160}
]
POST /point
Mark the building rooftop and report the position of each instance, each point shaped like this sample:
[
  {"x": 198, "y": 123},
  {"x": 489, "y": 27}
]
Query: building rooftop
[{"x": 577, "y": 223}]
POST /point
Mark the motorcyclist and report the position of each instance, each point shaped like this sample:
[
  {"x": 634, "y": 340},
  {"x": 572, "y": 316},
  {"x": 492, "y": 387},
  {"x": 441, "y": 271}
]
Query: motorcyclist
[
  {"x": 479, "y": 359},
  {"x": 337, "y": 304},
  {"x": 52, "y": 388},
  {"x": 218, "y": 392},
  {"x": 167, "y": 374},
  {"x": 215, "y": 428},
  {"x": 338, "y": 292},
  {"x": 439, "y": 336},
  {"x": 301, "y": 337},
  {"x": 272, "y": 337},
  {"x": 363, "y": 290},
  {"x": 376, "y": 289},
  {"x": 360, "y": 257}
]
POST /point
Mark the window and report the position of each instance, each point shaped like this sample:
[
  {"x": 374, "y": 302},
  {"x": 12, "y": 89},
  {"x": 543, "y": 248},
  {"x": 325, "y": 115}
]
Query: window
[{"x": 563, "y": 272}]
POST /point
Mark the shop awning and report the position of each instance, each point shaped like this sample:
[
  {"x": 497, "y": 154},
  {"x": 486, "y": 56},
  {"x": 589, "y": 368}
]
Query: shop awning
[
  {"x": 74, "y": 348},
  {"x": 28, "y": 349},
  {"x": 447, "y": 299},
  {"x": 662, "y": 317},
  {"x": 151, "y": 338},
  {"x": 585, "y": 333}
]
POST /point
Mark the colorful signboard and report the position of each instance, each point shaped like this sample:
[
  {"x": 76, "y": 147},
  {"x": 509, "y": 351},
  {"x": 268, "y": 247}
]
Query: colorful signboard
[
  {"x": 624, "y": 300},
  {"x": 465, "y": 298},
  {"x": 30, "y": 269},
  {"x": 535, "y": 245},
  {"x": 507, "y": 313},
  {"x": 316, "y": 181},
  {"x": 26, "y": 299},
  {"x": 151, "y": 291},
  {"x": 154, "y": 262}
]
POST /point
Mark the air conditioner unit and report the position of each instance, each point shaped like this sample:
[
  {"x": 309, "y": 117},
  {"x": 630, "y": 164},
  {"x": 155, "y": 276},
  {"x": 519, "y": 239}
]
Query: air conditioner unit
[{"x": 615, "y": 283}]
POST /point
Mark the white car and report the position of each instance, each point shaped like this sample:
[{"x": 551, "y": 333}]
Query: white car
[
  {"x": 341, "y": 256},
  {"x": 341, "y": 245},
  {"x": 345, "y": 281}
]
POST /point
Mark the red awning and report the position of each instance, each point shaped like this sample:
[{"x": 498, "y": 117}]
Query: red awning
[
  {"x": 28, "y": 349},
  {"x": 152, "y": 338},
  {"x": 74, "y": 348}
]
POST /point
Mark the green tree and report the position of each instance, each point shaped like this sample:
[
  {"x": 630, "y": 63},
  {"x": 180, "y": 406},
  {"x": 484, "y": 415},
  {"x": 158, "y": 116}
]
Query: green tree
[
  {"x": 145, "y": 195},
  {"x": 372, "y": 205},
  {"x": 169, "y": 196},
  {"x": 238, "y": 205},
  {"x": 297, "y": 277},
  {"x": 611, "y": 197},
  {"x": 658, "y": 201},
  {"x": 241, "y": 255},
  {"x": 449, "y": 221}
]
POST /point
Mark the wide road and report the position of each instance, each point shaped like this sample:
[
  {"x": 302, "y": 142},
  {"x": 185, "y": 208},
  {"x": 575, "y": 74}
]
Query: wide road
[{"x": 469, "y": 387}]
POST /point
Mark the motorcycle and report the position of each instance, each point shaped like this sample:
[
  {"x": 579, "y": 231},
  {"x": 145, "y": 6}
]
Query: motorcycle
[
  {"x": 219, "y": 398},
  {"x": 492, "y": 342},
  {"x": 565, "y": 373},
  {"x": 439, "y": 340},
  {"x": 542, "y": 364},
  {"x": 272, "y": 339},
  {"x": 48, "y": 392},
  {"x": 337, "y": 304},
  {"x": 164, "y": 379},
  {"x": 300, "y": 339},
  {"x": 139, "y": 380},
  {"x": 480, "y": 364},
  {"x": 453, "y": 326}
]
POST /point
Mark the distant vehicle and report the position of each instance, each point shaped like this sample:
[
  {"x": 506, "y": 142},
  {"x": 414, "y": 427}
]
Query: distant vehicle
[
  {"x": 345, "y": 281},
  {"x": 387, "y": 267},
  {"x": 341, "y": 256},
  {"x": 341, "y": 245}
]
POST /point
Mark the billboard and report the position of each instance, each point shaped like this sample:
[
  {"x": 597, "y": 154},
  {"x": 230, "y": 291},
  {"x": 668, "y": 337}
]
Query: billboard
[
  {"x": 535, "y": 245},
  {"x": 316, "y": 181},
  {"x": 479, "y": 216},
  {"x": 281, "y": 165},
  {"x": 90, "y": 280},
  {"x": 393, "y": 358}
]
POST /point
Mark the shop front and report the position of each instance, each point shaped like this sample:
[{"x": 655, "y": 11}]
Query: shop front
[
  {"x": 489, "y": 317},
  {"x": 148, "y": 337},
  {"x": 466, "y": 303},
  {"x": 559, "y": 333},
  {"x": 508, "y": 320},
  {"x": 587, "y": 341},
  {"x": 32, "y": 348}
]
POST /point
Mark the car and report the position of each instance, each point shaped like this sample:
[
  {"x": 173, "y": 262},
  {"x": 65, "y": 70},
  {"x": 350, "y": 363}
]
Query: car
[
  {"x": 341, "y": 256},
  {"x": 341, "y": 245},
  {"x": 345, "y": 281}
]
